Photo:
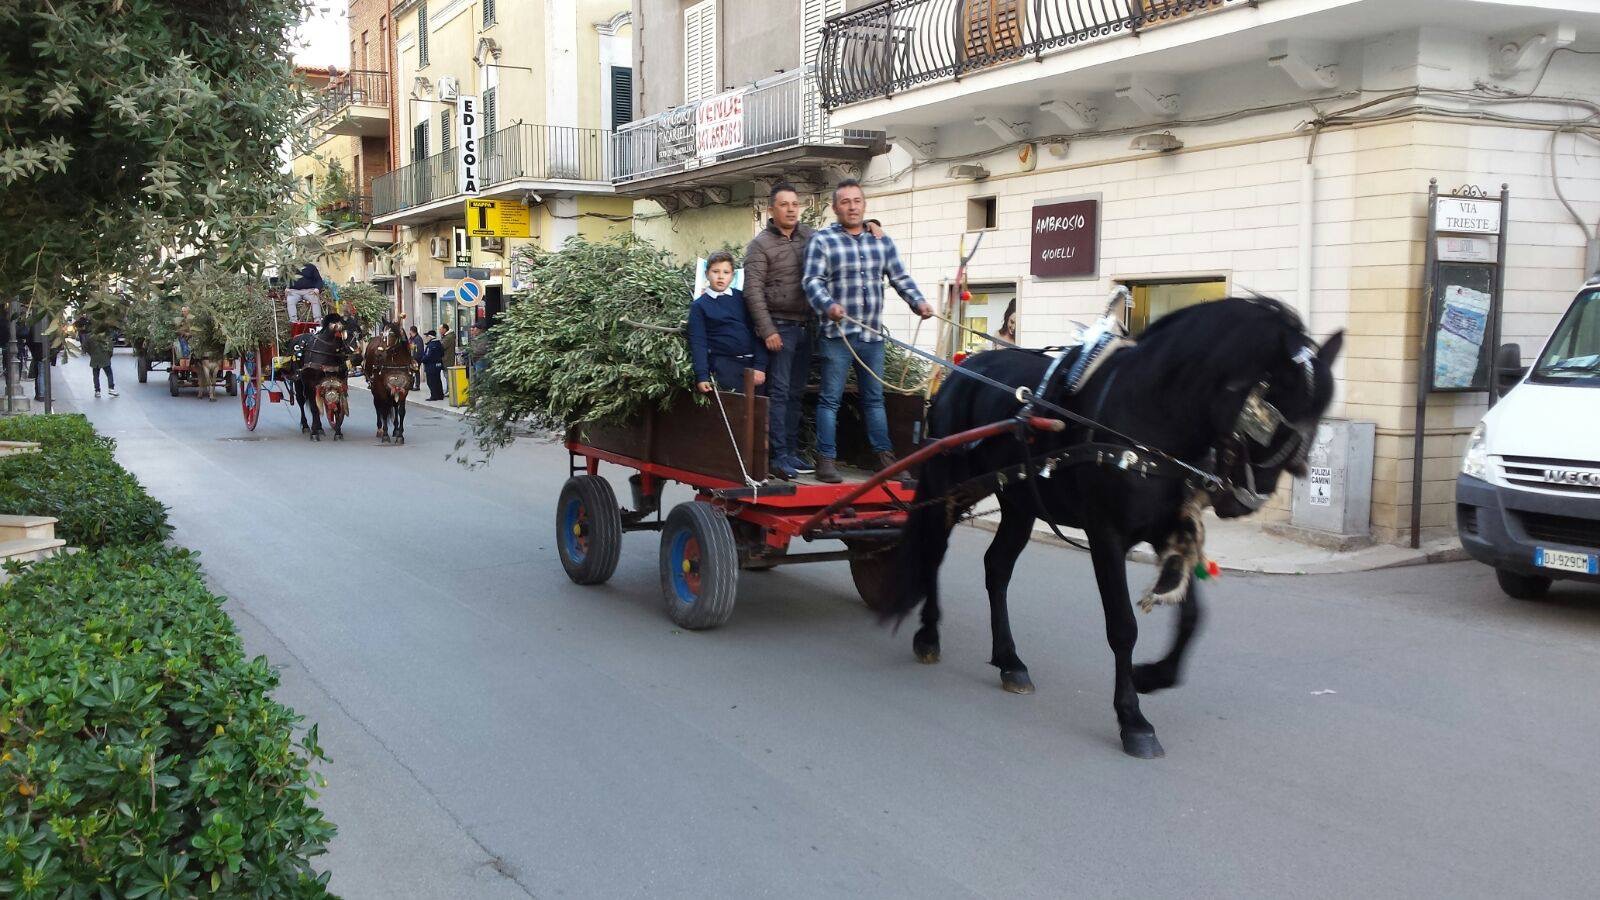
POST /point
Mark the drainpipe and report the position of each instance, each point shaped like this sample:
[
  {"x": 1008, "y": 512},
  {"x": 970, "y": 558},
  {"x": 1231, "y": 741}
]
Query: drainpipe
[{"x": 1308, "y": 199}]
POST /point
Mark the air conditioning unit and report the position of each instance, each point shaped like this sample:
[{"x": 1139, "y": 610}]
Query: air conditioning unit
[
  {"x": 439, "y": 247},
  {"x": 493, "y": 244},
  {"x": 449, "y": 87}
]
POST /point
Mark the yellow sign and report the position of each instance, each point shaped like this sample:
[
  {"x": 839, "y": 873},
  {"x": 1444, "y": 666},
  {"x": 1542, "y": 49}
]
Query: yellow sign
[{"x": 498, "y": 218}]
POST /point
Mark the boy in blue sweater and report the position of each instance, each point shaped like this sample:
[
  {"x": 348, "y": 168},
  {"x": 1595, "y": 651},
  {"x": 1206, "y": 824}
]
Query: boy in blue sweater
[{"x": 721, "y": 339}]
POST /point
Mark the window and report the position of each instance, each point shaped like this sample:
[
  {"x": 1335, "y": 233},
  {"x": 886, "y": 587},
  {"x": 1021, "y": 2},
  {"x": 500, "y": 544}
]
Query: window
[
  {"x": 980, "y": 213},
  {"x": 1158, "y": 297},
  {"x": 700, "y": 51},
  {"x": 419, "y": 141},
  {"x": 621, "y": 96},
  {"x": 488, "y": 13},
  {"x": 422, "y": 36},
  {"x": 444, "y": 131},
  {"x": 364, "y": 50}
]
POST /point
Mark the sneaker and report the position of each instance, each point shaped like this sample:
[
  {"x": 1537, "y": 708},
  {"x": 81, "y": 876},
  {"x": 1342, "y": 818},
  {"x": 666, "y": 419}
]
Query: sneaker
[
  {"x": 112, "y": 392},
  {"x": 796, "y": 462},
  {"x": 826, "y": 472},
  {"x": 885, "y": 460},
  {"x": 780, "y": 468},
  {"x": 97, "y": 394}
]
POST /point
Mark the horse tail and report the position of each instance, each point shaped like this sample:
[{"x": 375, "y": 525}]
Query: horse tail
[{"x": 923, "y": 542}]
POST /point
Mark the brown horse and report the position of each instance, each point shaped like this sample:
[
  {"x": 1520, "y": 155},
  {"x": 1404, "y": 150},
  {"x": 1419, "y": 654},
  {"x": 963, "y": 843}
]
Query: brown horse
[{"x": 387, "y": 366}]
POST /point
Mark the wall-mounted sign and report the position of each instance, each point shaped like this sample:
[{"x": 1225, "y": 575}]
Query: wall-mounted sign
[
  {"x": 467, "y": 143},
  {"x": 1467, "y": 215},
  {"x": 498, "y": 218},
  {"x": 719, "y": 124},
  {"x": 1066, "y": 239},
  {"x": 461, "y": 248}
]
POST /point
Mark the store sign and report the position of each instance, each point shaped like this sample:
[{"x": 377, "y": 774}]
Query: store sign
[
  {"x": 719, "y": 124},
  {"x": 1463, "y": 215},
  {"x": 467, "y": 148},
  {"x": 675, "y": 134},
  {"x": 1066, "y": 239},
  {"x": 498, "y": 218}
]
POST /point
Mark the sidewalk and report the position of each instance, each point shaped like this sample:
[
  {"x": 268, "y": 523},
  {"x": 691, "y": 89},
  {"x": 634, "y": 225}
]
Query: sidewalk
[
  {"x": 417, "y": 399},
  {"x": 1246, "y": 545}
]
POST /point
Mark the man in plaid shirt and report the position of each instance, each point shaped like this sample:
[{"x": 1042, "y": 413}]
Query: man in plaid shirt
[{"x": 844, "y": 273}]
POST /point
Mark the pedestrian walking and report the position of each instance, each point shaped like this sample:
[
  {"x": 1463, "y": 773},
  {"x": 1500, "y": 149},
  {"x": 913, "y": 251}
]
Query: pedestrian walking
[
  {"x": 845, "y": 268},
  {"x": 97, "y": 345},
  {"x": 433, "y": 365},
  {"x": 307, "y": 286}
]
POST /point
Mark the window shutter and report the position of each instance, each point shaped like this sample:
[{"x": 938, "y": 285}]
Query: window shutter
[
  {"x": 422, "y": 36},
  {"x": 621, "y": 96},
  {"x": 700, "y": 51},
  {"x": 813, "y": 15},
  {"x": 444, "y": 131},
  {"x": 490, "y": 116},
  {"x": 419, "y": 141},
  {"x": 488, "y": 13}
]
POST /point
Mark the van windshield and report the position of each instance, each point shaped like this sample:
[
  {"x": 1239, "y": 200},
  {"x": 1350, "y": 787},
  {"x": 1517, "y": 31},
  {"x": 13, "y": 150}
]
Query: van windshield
[{"x": 1573, "y": 354}]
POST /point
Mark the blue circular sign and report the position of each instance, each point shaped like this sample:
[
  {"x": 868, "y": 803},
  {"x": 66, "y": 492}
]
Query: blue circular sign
[{"x": 469, "y": 292}]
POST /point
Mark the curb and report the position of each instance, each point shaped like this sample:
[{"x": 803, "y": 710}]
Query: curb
[{"x": 457, "y": 411}]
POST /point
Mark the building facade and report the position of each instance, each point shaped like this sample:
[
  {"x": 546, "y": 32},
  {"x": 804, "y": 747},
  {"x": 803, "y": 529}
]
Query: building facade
[
  {"x": 1225, "y": 146},
  {"x": 542, "y": 73},
  {"x": 728, "y": 104}
]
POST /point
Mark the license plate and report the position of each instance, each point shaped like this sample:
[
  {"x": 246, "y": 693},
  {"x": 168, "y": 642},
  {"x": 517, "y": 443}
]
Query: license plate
[{"x": 1564, "y": 561}]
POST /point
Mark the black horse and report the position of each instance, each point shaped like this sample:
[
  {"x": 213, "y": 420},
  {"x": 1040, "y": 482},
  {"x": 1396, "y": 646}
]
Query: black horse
[
  {"x": 318, "y": 377},
  {"x": 1218, "y": 400}
]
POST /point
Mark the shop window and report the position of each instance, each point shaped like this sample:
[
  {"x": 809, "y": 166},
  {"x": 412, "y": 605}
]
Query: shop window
[
  {"x": 992, "y": 309},
  {"x": 1156, "y": 298},
  {"x": 980, "y": 213}
]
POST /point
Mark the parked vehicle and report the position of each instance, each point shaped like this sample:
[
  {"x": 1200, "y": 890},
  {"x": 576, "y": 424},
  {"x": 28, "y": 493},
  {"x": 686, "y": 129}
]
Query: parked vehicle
[{"x": 1528, "y": 496}]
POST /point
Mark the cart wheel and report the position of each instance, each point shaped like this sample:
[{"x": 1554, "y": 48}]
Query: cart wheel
[
  {"x": 588, "y": 529},
  {"x": 141, "y": 367},
  {"x": 231, "y": 384},
  {"x": 172, "y": 383},
  {"x": 699, "y": 566},
  {"x": 872, "y": 569},
  {"x": 250, "y": 390}
]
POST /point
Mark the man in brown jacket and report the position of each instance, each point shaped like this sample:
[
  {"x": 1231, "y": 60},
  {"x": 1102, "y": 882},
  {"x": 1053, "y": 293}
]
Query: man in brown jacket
[
  {"x": 773, "y": 264},
  {"x": 780, "y": 313}
]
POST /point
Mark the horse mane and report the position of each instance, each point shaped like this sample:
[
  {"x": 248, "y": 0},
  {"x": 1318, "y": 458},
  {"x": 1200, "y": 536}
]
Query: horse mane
[{"x": 1215, "y": 343}]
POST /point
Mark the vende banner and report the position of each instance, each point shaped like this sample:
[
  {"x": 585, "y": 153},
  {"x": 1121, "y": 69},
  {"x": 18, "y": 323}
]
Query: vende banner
[
  {"x": 1066, "y": 239},
  {"x": 467, "y": 144},
  {"x": 719, "y": 124}
]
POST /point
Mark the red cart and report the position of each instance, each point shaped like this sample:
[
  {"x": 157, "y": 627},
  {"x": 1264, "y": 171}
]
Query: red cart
[
  {"x": 732, "y": 525},
  {"x": 258, "y": 377}
]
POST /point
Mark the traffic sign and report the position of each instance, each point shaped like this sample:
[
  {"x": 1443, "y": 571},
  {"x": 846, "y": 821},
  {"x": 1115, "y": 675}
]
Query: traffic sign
[
  {"x": 469, "y": 292},
  {"x": 498, "y": 218}
]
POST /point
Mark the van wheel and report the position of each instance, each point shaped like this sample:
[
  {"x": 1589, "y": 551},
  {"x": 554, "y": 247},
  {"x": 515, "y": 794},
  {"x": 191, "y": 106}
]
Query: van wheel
[{"x": 1522, "y": 587}]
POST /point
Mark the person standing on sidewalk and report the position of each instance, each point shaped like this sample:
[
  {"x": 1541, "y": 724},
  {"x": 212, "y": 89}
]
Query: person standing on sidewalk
[
  {"x": 416, "y": 344},
  {"x": 844, "y": 273},
  {"x": 433, "y": 365},
  {"x": 447, "y": 338}
]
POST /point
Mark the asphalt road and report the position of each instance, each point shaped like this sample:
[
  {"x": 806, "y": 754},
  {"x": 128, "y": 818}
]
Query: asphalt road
[{"x": 497, "y": 731}]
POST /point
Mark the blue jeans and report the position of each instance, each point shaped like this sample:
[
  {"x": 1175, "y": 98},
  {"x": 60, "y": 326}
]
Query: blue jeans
[
  {"x": 836, "y": 363},
  {"x": 787, "y": 371}
]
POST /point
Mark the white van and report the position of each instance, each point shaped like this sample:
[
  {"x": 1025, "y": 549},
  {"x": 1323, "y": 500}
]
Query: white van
[{"x": 1528, "y": 497}]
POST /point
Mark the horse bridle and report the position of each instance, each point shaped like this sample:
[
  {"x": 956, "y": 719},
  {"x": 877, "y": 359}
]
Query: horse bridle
[{"x": 1260, "y": 423}]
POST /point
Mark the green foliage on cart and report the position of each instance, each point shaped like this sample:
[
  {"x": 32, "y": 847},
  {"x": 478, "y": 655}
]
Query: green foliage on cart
[
  {"x": 571, "y": 349},
  {"x": 75, "y": 478},
  {"x": 231, "y": 311},
  {"x": 141, "y": 752},
  {"x": 149, "y": 323},
  {"x": 369, "y": 304}
]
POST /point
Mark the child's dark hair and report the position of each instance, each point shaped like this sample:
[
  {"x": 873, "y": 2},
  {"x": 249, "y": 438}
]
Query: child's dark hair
[{"x": 721, "y": 256}]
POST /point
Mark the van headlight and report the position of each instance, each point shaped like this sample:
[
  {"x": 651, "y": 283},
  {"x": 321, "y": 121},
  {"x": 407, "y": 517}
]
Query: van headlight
[{"x": 1476, "y": 462}]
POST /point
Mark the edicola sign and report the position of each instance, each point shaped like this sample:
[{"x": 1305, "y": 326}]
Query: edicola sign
[
  {"x": 467, "y": 149},
  {"x": 1066, "y": 239}
]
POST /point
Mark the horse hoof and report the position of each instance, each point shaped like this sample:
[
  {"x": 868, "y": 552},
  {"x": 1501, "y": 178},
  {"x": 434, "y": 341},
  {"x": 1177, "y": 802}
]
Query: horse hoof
[
  {"x": 1016, "y": 682},
  {"x": 927, "y": 655},
  {"x": 1142, "y": 745},
  {"x": 399, "y": 440},
  {"x": 1151, "y": 677}
]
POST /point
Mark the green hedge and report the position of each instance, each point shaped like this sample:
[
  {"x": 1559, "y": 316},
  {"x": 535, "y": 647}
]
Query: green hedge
[
  {"x": 141, "y": 753},
  {"x": 75, "y": 478}
]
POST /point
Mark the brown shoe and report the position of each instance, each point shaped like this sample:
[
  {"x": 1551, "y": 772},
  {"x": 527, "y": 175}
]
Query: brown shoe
[
  {"x": 827, "y": 473},
  {"x": 885, "y": 460}
]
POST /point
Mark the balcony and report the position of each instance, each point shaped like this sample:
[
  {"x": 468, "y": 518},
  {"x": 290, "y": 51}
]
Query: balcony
[
  {"x": 783, "y": 128},
  {"x": 347, "y": 212},
  {"x": 547, "y": 159},
  {"x": 355, "y": 104}
]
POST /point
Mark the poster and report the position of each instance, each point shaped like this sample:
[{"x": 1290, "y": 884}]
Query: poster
[{"x": 1463, "y": 324}]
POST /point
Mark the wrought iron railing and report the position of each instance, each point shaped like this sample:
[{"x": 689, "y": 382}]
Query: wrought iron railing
[
  {"x": 361, "y": 87},
  {"x": 346, "y": 212},
  {"x": 782, "y": 111},
  {"x": 517, "y": 152},
  {"x": 894, "y": 45}
]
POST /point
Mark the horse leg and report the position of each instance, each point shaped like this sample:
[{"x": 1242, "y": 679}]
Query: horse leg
[
  {"x": 1013, "y": 534},
  {"x": 400, "y": 419},
  {"x": 1109, "y": 550},
  {"x": 1167, "y": 671},
  {"x": 314, "y": 403},
  {"x": 380, "y": 402}
]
